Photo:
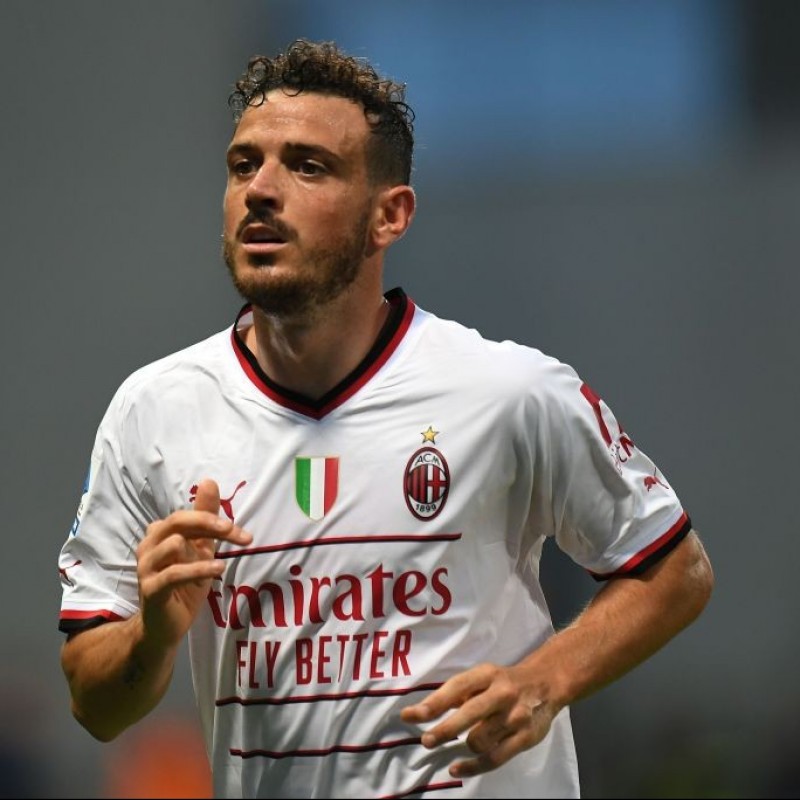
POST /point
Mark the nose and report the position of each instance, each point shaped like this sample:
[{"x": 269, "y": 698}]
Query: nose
[{"x": 265, "y": 190}]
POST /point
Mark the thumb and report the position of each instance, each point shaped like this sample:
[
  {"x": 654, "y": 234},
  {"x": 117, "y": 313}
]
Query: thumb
[{"x": 207, "y": 497}]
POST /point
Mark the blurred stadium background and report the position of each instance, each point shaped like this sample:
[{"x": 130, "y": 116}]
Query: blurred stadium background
[{"x": 615, "y": 182}]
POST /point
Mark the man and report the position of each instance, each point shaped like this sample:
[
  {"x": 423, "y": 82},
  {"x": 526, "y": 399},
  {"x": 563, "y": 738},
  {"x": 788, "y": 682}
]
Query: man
[{"x": 342, "y": 499}]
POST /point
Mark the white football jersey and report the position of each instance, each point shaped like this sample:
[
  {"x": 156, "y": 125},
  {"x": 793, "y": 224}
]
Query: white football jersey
[{"x": 398, "y": 524}]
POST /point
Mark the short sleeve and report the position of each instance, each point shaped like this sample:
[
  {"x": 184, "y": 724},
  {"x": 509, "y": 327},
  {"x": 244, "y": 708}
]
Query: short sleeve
[
  {"x": 606, "y": 503},
  {"x": 97, "y": 563}
]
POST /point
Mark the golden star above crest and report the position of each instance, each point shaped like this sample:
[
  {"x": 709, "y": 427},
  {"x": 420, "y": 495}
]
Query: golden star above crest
[{"x": 429, "y": 435}]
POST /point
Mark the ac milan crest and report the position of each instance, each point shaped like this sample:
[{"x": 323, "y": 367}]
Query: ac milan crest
[{"x": 426, "y": 483}]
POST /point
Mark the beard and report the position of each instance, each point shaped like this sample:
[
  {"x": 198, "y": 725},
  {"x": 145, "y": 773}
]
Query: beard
[{"x": 326, "y": 272}]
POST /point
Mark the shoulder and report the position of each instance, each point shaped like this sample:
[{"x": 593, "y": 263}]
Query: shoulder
[
  {"x": 184, "y": 373},
  {"x": 506, "y": 365}
]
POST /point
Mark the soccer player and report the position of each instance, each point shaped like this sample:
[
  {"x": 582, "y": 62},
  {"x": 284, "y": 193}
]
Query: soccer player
[{"x": 342, "y": 499}]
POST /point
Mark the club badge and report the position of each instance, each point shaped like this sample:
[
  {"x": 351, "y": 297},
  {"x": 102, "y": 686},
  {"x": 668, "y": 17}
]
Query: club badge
[{"x": 426, "y": 482}]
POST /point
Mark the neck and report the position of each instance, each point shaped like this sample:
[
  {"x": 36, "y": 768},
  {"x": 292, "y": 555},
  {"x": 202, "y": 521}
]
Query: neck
[{"x": 312, "y": 354}]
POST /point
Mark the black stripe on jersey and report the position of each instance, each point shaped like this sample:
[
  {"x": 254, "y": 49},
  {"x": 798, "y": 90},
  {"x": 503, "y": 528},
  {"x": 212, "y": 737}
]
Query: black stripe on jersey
[
  {"x": 78, "y": 625},
  {"x": 398, "y": 303},
  {"x": 651, "y": 558}
]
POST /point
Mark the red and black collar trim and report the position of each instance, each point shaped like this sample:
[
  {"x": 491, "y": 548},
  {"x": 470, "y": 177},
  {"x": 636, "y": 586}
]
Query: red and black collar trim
[{"x": 394, "y": 329}]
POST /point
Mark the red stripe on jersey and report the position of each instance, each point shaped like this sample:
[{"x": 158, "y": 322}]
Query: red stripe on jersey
[
  {"x": 317, "y": 698},
  {"x": 109, "y": 615},
  {"x": 326, "y": 751},
  {"x": 663, "y": 543},
  {"x": 423, "y": 787},
  {"x": 389, "y": 537}
]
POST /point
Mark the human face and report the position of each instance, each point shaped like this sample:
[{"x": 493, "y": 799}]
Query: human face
[{"x": 298, "y": 201}]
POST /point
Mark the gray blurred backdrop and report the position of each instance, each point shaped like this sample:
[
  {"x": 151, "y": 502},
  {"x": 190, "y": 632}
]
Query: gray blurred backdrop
[{"x": 614, "y": 182}]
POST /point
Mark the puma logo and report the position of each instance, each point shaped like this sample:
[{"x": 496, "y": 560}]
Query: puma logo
[
  {"x": 226, "y": 503},
  {"x": 651, "y": 480},
  {"x": 63, "y": 573}
]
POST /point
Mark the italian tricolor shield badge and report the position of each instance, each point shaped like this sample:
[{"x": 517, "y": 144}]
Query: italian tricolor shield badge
[{"x": 316, "y": 484}]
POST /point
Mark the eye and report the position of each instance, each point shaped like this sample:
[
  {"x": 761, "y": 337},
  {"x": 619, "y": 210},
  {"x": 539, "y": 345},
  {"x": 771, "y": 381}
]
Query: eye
[
  {"x": 310, "y": 168},
  {"x": 242, "y": 167}
]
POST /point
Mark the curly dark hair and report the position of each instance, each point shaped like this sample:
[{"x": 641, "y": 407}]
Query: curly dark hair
[{"x": 322, "y": 67}]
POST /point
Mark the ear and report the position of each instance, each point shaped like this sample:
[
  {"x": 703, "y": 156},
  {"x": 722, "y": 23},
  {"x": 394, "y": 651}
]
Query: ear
[{"x": 394, "y": 210}]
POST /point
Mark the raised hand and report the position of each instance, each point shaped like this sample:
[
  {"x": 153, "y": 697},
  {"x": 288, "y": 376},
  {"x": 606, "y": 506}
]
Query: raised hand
[{"x": 175, "y": 564}]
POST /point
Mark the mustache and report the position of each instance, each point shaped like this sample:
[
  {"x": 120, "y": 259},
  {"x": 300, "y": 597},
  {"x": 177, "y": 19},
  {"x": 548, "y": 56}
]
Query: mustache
[{"x": 283, "y": 230}]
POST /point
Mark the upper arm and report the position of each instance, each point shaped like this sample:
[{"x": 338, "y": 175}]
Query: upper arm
[{"x": 687, "y": 569}]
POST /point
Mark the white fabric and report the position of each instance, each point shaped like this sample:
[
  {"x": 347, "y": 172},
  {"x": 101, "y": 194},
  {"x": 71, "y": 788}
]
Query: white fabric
[{"x": 370, "y": 598}]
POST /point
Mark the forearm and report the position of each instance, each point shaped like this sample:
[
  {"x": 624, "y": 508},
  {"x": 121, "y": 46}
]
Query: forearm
[
  {"x": 115, "y": 676},
  {"x": 625, "y": 623}
]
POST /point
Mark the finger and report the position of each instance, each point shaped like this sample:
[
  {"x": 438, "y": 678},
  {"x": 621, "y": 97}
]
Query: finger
[
  {"x": 171, "y": 550},
  {"x": 471, "y": 713},
  {"x": 451, "y": 694},
  {"x": 484, "y": 736},
  {"x": 207, "y": 497},
  {"x": 175, "y": 549},
  {"x": 179, "y": 574},
  {"x": 509, "y": 720},
  {"x": 503, "y": 752},
  {"x": 197, "y": 525}
]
